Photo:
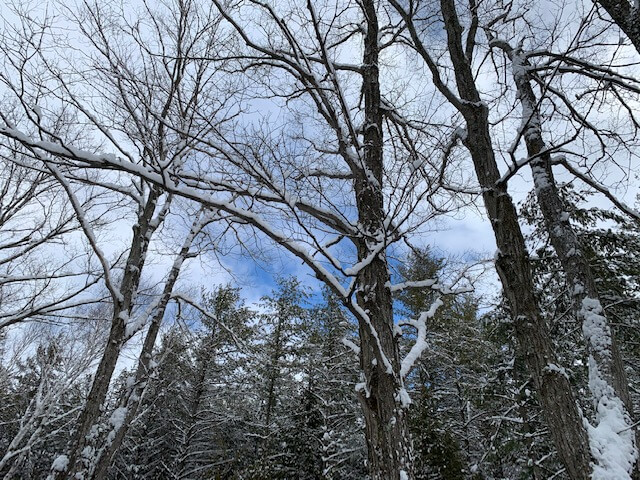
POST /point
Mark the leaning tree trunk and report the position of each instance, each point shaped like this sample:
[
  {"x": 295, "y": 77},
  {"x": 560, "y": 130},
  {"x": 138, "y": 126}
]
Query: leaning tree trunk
[
  {"x": 512, "y": 262},
  {"x": 81, "y": 449},
  {"x": 607, "y": 379},
  {"x": 534, "y": 340},
  {"x": 133, "y": 395},
  {"x": 626, "y": 16},
  {"x": 387, "y": 434}
]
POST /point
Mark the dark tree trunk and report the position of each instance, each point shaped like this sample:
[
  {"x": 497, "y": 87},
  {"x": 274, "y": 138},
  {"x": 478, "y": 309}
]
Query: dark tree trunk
[
  {"x": 388, "y": 441},
  {"x": 605, "y": 363},
  {"x": 134, "y": 394},
  {"x": 512, "y": 262},
  {"x": 81, "y": 449},
  {"x": 626, "y": 16},
  {"x": 534, "y": 340}
]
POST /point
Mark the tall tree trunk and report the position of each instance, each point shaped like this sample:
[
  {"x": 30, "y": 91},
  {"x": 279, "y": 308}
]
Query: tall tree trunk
[
  {"x": 388, "y": 441},
  {"x": 534, "y": 340},
  {"x": 607, "y": 378},
  {"x": 513, "y": 267},
  {"x": 81, "y": 449},
  {"x": 512, "y": 262},
  {"x": 133, "y": 395}
]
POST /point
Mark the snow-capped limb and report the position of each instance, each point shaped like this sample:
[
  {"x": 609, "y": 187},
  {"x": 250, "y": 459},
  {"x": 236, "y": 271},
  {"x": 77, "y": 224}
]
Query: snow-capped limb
[
  {"x": 116, "y": 294},
  {"x": 373, "y": 253},
  {"x": 334, "y": 174},
  {"x": 623, "y": 207},
  {"x": 363, "y": 316},
  {"x": 145, "y": 173},
  {"x": 351, "y": 346},
  {"x": 420, "y": 324},
  {"x": 554, "y": 369},
  {"x": 428, "y": 283}
]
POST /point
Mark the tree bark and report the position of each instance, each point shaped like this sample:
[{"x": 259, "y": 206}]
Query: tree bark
[
  {"x": 605, "y": 360},
  {"x": 388, "y": 442},
  {"x": 626, "y": 16},
  {"x": 134, "y": 394},
  {"x": 80, "y": 451},
  {"x": 534, "y": 341},
  {"x": 512, "y": 262}
]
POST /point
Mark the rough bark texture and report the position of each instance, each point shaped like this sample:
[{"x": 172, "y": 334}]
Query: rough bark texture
[
  {"x": 513, "y": 267},
  {"x": 601, "y": 343},
  {"x": 626, "y": 16},
  {"x": 81, "y": 449},
  {"x": 388, "y": 441},
  {"x": 512, "y": 264},
  {"x": 133, "y": 395}
]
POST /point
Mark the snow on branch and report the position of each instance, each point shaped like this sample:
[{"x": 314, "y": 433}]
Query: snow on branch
[
  {"x": 171, "y": 185},
  {"x": 350, "y": 345},
  {"x": 634, "y": 214},
  {"x": 429, "y": 283},
  {"x": 421, "y": 341},
  {"x": 87, "y": 229}
]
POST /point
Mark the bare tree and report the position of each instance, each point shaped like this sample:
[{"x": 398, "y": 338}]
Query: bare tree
[
  {"x": 361, "y": 183},
  {"x": 127, "y": 408},
  {"x": 512, "y": 263},
  {"x": 607, "y": 378},
  {"x": 62, "y": 360},
  {"x": 146, "y": 105},
  {"x": 44, "y": 273}
]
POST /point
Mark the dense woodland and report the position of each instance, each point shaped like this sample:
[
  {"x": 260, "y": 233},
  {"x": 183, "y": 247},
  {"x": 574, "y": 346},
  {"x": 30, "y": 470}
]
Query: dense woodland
[{"x": 161, "y": 161}]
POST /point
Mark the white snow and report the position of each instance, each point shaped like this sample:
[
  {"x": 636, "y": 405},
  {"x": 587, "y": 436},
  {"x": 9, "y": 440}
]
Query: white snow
[
  {"x": 352, "y": 271},
  {"x": 349, "y": 344},
  {"x": 60, "y": 464},
  {"x": 403, "y": 397},
  {"x": 611, "y": 441},
  {"x": 403, "y": 475},
  {"x": 418, "y": 284},
  {"x": 118, "y": 417},
  {"x": 421, "y": 338},
  {"x": 595, "y": 328},
  {"x": 552, "y": 367}
]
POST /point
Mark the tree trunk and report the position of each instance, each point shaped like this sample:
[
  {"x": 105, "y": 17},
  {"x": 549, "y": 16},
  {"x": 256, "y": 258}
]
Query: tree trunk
[
  {"x": 513, "y": 267},
  {"x": 626, "y": 16},
  {"x": 388, "y": 441},
  {"x": 81, "y": 449},
  {"x": 133, "y": 395},
  {"x": 607, "y": 378}
]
